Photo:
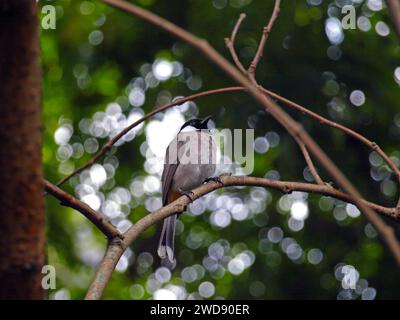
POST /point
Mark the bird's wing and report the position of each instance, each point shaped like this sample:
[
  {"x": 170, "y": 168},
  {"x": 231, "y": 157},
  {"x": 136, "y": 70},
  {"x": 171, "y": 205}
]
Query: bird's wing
[{"x": 170, "y": 165}]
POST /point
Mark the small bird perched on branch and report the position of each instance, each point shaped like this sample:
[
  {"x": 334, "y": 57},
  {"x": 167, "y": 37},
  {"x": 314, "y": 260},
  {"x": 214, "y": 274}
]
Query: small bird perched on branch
[{"x": 189, "y": 161}]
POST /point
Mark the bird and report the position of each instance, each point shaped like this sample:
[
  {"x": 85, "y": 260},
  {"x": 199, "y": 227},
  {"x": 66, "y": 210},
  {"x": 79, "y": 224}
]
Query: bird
[{"x": 190, "y": 160}]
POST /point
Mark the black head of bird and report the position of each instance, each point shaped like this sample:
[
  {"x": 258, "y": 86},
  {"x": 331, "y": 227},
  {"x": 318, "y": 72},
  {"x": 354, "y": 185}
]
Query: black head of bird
[{"x": 199, "y": 124}]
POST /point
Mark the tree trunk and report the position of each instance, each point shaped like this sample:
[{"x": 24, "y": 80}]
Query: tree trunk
[{"x": 22, "y": 217}]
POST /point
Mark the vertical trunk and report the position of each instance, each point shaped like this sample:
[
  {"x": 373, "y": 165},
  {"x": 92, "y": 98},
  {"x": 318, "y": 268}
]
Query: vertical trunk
[{"x": 22, "y": 219}]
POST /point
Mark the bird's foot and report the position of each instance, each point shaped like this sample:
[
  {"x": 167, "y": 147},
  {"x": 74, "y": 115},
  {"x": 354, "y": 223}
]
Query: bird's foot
[
  {"x": 188, "y": 194},
  {"x": 216, "y": 179}
]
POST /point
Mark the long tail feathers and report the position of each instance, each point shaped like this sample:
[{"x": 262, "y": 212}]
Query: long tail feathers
[{"x": 167, "y": 239}]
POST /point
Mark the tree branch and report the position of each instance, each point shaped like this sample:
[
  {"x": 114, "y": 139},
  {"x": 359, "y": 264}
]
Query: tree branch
[
  {"x": 230, "y": 43},
  {"x": 68, "y": 200},
  {"x": 293, "y": 127},
  {"x": 371, "y": 144},
  {"x": 117, "y": 247},
  {"x": 266, "y": 31},
  {"x": 115, "y": 250},
  {"x": 310, "y": 164}
]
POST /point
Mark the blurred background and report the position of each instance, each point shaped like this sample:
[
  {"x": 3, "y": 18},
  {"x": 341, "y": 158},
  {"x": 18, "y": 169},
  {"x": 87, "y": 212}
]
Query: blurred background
[{"x": 103, "y": 69}]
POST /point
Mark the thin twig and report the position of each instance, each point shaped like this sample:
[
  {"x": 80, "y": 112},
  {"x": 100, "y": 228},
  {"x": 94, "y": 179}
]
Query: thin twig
[
  {"x": 117, "y": 248},
  {"x": 68, "y": 200},
  {"x": 310, "y": 164},
  {"x": 230, "y": 43},
  {"x": 260, "y": 51},
  {"x": 292, "y": 127},
  {"x": 251, "y": 74}
]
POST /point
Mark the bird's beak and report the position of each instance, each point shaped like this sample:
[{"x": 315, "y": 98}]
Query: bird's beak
[{"x": 205, "y": 120}]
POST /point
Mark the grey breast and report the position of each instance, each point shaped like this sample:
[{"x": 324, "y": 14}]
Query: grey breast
[{"x": 196, "y": 154}]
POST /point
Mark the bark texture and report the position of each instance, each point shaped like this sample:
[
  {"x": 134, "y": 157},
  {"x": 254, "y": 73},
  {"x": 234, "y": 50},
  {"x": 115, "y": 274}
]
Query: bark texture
[{"x": 22, "y": 217}]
